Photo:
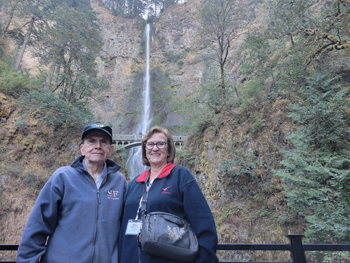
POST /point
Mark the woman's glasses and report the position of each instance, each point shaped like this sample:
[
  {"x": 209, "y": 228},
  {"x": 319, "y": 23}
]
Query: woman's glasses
[{"x": 150, "y": 145}]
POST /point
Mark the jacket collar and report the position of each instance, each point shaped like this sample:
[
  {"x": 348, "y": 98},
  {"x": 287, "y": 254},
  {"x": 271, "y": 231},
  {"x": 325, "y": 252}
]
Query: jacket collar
[
  {"x": 112, "y": 166},
  {"x": 165, "y": 172}
]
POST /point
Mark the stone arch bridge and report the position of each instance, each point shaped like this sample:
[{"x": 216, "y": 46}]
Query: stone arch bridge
[{"x": 129, "y": 141}]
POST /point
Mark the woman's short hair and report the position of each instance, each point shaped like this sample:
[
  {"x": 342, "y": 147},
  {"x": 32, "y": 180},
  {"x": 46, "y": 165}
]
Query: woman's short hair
[{"x": 170, "y": 144}]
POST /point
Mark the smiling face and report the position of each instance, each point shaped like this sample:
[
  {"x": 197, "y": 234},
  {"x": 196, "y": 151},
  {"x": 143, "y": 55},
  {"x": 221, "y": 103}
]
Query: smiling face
[
  {"x": 157, "y": 157},
  {"x": 96, "y": 147}
]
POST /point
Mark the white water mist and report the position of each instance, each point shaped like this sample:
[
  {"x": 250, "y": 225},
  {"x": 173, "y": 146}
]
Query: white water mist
[{"x": 134, "y": 164}]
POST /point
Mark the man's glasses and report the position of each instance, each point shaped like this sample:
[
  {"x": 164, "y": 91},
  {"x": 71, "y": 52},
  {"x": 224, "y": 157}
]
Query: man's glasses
[{"x": 150, "y": 145}]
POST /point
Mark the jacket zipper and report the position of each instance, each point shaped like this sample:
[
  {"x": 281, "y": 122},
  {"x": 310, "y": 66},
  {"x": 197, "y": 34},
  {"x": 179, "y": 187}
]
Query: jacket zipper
[
  {"x": 154, "y": 228},
  {"x": 98, "y": 205}
]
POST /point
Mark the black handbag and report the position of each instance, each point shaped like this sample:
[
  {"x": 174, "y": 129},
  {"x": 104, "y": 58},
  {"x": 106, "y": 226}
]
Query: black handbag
[{"x": 166, "y": 235}]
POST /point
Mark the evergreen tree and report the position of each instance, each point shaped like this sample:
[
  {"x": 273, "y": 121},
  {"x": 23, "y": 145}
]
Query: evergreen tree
[
  {"x": 72, "y": 43},
  {"x": 156, "y": 7},
  {"x": 118, "y": 6},
  {"x": 317, "y": 170},
  {"x": 169, "y": 3},
  {"x": 135, "y": 7}
]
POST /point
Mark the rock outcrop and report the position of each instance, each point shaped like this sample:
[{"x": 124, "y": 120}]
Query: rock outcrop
[{"x": 122, "y": 62}]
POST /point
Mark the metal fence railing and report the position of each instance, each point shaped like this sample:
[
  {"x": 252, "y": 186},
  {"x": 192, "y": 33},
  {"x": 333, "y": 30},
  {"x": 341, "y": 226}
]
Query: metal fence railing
[{"x": 296, "y": 247}]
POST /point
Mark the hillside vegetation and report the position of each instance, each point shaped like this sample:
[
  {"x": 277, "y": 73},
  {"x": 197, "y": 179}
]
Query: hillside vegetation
[
  {"x": 268, "y": 128},
  {"x": 276, "y": 139}
]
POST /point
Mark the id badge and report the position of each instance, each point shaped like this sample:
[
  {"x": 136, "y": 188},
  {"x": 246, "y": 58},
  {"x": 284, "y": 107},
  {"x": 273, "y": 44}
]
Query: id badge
[{"x": 133, "y": 227}]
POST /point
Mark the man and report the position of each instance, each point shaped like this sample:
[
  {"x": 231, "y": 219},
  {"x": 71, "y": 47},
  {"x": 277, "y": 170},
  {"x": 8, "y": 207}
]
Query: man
[{"x": 76, "y": 217}]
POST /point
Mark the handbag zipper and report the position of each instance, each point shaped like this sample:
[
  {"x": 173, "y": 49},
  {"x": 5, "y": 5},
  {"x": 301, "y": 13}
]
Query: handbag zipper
[{"x": 154, "y": 228}]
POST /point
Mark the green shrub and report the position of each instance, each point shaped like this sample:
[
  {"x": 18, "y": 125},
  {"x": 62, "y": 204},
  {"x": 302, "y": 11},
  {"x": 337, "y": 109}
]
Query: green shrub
[
  {"x": 257, "y": 126},
  {"x": 12, "y": 83},
  {"x": 49, "y": 107},
  {"x": 184, "y": 157},
  {"x": 175, "y": 57},
  {"x": 180, "y": 63},
  {"x": 241, "y": 162}
]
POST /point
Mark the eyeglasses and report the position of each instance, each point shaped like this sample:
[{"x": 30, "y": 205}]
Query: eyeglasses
[{"x": 150, "y": 145}]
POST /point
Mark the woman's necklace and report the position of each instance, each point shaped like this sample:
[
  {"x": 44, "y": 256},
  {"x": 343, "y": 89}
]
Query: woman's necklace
[{"x": 150, "y": 181}]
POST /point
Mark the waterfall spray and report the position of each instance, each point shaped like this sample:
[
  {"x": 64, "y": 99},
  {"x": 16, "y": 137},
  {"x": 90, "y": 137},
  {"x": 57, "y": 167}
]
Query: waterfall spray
[{"x": 134, "y": 164}]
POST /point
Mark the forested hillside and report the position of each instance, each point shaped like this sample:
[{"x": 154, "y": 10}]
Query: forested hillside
[{"x": 261, "y": 86}]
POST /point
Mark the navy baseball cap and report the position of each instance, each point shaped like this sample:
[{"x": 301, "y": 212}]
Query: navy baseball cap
[{"x": 97, "y": 126}]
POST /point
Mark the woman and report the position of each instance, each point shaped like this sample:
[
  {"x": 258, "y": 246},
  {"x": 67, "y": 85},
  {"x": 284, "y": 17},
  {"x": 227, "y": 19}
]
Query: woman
[{"x": 171, "y": 189}]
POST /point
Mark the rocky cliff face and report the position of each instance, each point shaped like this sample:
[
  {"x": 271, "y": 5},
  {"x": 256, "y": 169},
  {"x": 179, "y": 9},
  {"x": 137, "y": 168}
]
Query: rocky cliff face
[{"x": 122, "y": 62}]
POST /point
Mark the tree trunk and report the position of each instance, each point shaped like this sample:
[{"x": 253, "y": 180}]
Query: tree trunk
[
  {"x": 222, "y": 72},
  {"x": 9, "y": 21},
  {"x": 57, "y": 72},
  {"x": 49, "y": 75},
  {"x": 236, "y": 91},
  {"x": 271, "y": 85},
  {"x": 26, "y": 40},
  {"x": 68, "y": 75}
]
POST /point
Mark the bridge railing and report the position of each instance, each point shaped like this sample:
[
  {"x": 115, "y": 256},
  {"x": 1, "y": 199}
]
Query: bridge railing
[
  {"x": 296, "y": 248},
  {"x": 137, "y": 137},
  {"x": 179, "y": 138},
  {"x": 126, "y": 137}
]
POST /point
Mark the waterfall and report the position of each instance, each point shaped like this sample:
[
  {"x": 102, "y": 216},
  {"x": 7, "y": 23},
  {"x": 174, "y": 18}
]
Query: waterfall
[
  {"x": 146, "y": 88},
  {"x": 134, "y": 164}
]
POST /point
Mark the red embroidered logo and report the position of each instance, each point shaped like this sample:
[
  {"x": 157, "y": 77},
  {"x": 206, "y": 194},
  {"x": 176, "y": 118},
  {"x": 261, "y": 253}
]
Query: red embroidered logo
[
  {"x": 112, "y": 195},
  {"x": 165, "y": 190}
]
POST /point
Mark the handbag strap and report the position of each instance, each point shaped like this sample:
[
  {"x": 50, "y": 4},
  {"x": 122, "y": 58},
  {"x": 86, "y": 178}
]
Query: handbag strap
[
  {"x": 143, "y": 212},
  {"x": 144, "y": 199}
]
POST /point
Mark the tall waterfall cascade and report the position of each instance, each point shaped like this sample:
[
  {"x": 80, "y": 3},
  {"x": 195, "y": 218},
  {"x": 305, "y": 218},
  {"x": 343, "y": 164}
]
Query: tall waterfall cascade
[{"x": 134, "y": 163}]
